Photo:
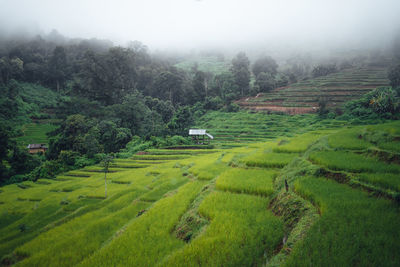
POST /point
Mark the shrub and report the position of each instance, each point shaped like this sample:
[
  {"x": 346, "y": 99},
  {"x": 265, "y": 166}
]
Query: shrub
[
  {"x": 382, "y": 102},
  {"x": 323, "y": 70},
  {"x": 232, "y": 107},
  {"x": 48, "y": 169}
]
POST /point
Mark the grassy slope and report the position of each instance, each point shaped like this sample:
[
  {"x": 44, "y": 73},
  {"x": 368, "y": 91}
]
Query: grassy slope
[
  {"x": 243, "y": 127},
  {"x": 336, "y": 88},
  {"x": 205, "y": 64},
  {"x": 35, "y": 133},
  {"x": 225, "y": 203},
  {"x": 34, "y": 102},
  {"x": 354, "y": 229}
]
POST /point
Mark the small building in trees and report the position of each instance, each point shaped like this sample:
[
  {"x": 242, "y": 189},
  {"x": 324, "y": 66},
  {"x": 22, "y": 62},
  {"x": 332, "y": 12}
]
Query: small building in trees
[
  {"x": 36, "y": 148},
  {"x": 199, "y": 136}
]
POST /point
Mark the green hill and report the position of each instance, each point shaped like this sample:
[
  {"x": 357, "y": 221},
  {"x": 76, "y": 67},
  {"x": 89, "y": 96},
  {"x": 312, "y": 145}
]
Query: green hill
[{"x": 225, "y": 207}]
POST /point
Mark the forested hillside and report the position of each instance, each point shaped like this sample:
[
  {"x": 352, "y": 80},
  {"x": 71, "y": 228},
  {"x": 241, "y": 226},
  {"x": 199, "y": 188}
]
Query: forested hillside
[{"x": 83, "y": 98}]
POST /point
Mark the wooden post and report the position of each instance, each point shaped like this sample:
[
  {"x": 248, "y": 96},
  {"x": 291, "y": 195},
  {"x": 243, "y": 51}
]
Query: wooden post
[{"x": 286, "y": 186}]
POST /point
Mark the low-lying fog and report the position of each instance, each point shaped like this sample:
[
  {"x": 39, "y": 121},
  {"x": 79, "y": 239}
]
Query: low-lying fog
[{"x": 222, "y": 24}]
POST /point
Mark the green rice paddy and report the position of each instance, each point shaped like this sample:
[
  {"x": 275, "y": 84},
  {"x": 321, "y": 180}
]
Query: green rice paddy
[{"x": 219, "y": 207}]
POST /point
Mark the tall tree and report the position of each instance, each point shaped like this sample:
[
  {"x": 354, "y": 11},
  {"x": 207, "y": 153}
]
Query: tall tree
[
  {"x": 58, "y": 67},
  {"x": 265, "y": 82},
  {"x": 265, "y": 64},
  {"x": 168, "y": 86},
  {"x": 108, "y": 77},
  {"x": 199, "y": 86},
  {"x": 241, "y": 72}
]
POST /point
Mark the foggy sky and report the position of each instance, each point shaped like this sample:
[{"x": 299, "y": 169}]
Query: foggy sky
[{"x": 163, "y": 24}]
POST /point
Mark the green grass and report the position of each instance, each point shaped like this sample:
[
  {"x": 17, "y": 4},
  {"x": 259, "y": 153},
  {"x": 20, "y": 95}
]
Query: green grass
[
  {"x": 341, "y": 160},
  {"x": 354, "y": 229},
  {"x": 246, "y": 127},
  {"x": 384, "y": 180},
  {"x": 180, "y": 151},
  {"x": 72, "y": 242},
  {"x": 147, "y": 231},
  {"x": 163, "y": 188},
  {"x": 208, "y": 167},
  {"x": 349, "y": 139},
  {"x": 240, "y": 233},
  {"x": 297, "y": 144},
  {"x": 250, "y": 181},
  {"x": 185, "y": 208},
  {"x": 268, "y": 159},
  {"x": 390, "y": 146},
  {"x": 157, "y": 157}
]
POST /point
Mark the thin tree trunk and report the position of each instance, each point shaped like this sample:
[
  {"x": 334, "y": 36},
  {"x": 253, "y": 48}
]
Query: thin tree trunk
[
  {"x": 105, "y": 183},
  {"x": 206, "y": 87}
]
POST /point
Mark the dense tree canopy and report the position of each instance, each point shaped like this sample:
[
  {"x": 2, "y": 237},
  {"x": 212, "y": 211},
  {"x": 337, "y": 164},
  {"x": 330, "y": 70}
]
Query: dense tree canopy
[
  {"x": 323, "y": 70},
  {"x": 241, "y": 72},
  {"x": 265, "y": 82},
  {"x": 103, "y": 95},
  {"x": 265, "y": 64}
]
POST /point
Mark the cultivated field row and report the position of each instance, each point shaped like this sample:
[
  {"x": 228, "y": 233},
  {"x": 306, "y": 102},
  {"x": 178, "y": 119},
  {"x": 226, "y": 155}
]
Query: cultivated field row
[
  {"x": 336, "y": 89},
  {"x": 325, "y": 197}
]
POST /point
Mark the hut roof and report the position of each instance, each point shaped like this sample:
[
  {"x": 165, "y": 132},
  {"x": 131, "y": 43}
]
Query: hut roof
[
  {"x": 200, "y": 132},
  {"x": 36, "y": 146},
  {"x": 197, "y": 132}
]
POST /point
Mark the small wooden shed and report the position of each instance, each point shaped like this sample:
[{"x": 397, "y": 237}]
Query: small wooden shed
[
  {"x": 36, "y": 148},
  {"x": 199, "y": 136}
]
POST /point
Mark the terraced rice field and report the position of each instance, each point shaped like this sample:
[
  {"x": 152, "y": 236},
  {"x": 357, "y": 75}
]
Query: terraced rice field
[
  {"x": 303, "y": 96},
  {"x": 35, "y": 133},
  {"x": 217, "y": 207},
  {"x": 232, "y": 129}
]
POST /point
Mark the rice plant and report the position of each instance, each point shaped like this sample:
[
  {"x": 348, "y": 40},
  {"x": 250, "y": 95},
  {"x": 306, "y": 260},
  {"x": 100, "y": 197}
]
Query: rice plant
[
  {"x": 241, "y": 233},
  {"x": 384, "y": 180},
  {"x": 147, "y": 240},
  {"x": 297, "y": 144},
  {"x": 354, "y": 229},
  {"x": 268, "y": 160},
  {"x": 341, "y": 160},
  {"x": 208, "y": 167},
  {"x": 349, "y": 139},
  {"x": 251, "y": 181}
]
